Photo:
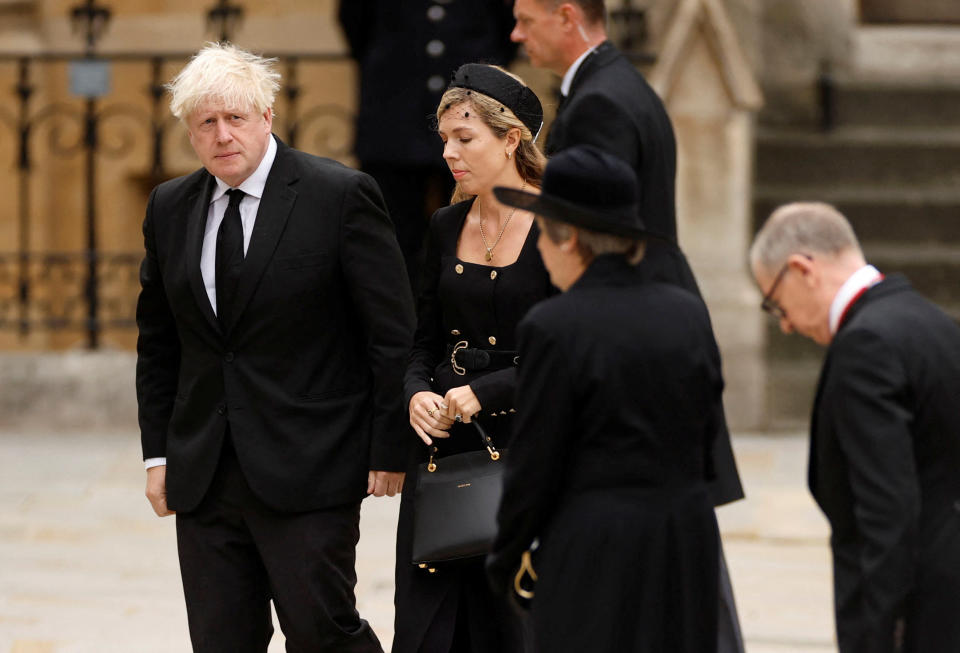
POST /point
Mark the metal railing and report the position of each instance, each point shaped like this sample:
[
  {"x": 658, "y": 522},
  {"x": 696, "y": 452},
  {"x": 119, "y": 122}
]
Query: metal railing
[{"x": 80, "y": 288}]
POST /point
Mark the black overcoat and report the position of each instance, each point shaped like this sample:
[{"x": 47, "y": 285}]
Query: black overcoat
[
  {"x": 461, "y": 301},
  {"x": 618, "y": 398},
  {"x": 309, "y": 372},
  {"x": 611, "y": 106},
  {"x": 407, "y": 52},
  {"x": 885, "y": 469}
]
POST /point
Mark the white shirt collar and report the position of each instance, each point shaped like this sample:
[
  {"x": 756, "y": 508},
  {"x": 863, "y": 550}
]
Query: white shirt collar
[
  {"x": 255, "y": 183},
  {"x": 572, "y": 72},
  {"x": 858, "y": 281}
]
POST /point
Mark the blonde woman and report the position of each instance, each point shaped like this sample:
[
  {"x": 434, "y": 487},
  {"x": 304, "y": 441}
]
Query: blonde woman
[{"x": 482, "y": 273}]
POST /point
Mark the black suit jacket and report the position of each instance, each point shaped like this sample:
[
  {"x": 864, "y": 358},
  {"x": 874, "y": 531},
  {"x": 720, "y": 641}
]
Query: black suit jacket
[
  {"x": 885, "y": 469},
  {"x": 309, "y": 373},
  {"x": 611, "y": 106}
]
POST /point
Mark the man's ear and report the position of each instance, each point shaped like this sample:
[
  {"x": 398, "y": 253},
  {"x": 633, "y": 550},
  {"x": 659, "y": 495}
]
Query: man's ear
[
  {"x": 805, "y": 266},
  {"x": 570, "y": 15}
]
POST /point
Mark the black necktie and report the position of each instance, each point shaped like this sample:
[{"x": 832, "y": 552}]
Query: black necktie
[{"x": 229, "y": 256}]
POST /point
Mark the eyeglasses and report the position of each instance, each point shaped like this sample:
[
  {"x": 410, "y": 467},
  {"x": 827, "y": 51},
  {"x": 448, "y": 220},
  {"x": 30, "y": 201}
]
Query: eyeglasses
[{"x": 769, "y": 304}]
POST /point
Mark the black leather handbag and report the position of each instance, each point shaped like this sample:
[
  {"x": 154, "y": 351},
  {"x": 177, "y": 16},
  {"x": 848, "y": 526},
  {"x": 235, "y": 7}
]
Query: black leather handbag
[{"x": 455, "y": 504}]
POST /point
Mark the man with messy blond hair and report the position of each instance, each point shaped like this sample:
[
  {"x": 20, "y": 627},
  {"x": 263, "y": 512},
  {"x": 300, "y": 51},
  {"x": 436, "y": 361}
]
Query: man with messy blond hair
[{"x": 275, "y": 318}]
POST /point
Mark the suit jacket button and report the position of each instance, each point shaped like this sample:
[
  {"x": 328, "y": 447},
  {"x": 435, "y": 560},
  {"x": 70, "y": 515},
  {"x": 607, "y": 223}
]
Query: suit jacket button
[
  {"x": 435, "y": 48},
  {"x": 222, "y": 409},
  {"x": 459, "y": 268},
  {"x": 492, "y": 340},
  {"x": 228, "y": 357}
]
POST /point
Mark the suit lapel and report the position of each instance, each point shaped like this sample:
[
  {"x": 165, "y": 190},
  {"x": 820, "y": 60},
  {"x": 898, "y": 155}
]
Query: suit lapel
[
  {"x": 197, "y": 206},
  {"x": 601, "y": 55},
  {"x": 812, "y": 461},
  {"x": 275, "y": 207}
]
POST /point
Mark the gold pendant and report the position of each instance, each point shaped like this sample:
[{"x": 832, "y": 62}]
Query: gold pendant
[{"x": 489, "y": 255}]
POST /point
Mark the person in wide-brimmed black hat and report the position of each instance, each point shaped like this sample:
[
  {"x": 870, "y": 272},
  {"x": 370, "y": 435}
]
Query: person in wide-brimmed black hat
[
  {"x": 587, "y": 208},
  {"x": 618, "y": 398}
]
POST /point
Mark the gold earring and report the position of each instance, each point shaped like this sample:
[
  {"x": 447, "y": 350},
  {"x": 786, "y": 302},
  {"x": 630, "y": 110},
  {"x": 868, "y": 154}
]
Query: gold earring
[{"x": 508, "y": 155}]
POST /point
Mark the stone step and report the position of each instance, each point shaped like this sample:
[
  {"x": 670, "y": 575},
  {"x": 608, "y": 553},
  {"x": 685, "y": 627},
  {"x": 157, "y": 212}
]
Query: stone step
[
  {"x": 791, "y": 388},
  {"x": 925, "y": 159},
  {"x": 934, "y": 270},
  {"x": 896, "y": 103},
  {"x": 893, "y": 214}
]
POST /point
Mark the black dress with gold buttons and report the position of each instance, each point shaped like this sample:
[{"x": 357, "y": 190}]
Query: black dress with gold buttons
[{"x": 475, "y": 309}]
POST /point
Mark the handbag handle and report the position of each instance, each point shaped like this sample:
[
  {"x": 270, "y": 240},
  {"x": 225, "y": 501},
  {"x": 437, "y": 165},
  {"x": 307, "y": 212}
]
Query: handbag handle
[
  {"x": 526, "y": 569},
  {"x": 484, "y": 438},
  {"x": 488, "y": 443}
]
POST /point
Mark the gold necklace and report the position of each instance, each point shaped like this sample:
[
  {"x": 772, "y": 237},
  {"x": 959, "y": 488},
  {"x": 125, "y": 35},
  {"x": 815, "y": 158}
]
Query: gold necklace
[{"x": 483, "y": 237}]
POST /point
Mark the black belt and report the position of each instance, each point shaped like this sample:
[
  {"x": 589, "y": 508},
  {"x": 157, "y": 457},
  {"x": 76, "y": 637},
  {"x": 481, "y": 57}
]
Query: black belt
[{"x": 465, "y": 359}]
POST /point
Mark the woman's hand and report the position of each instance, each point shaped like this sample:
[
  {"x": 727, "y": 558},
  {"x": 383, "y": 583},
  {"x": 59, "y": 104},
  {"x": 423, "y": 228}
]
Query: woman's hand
[
  {"x": 427, "y": 416},
  {"x": 461, "y": 402}
]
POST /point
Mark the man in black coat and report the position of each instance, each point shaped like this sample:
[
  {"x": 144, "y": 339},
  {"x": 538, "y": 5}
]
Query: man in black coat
[
  {"x": 885, "y": 430},
  {"x": 274, "y": 320},
  {"x": 407, "y": 52},
  {"x": 605, "y": 102}
]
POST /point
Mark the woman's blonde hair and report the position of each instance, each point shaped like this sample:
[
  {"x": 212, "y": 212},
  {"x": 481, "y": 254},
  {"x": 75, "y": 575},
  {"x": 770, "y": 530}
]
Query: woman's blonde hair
[
  {"x": 528, "y": 158},
  {"x": 226, "y": 75}
]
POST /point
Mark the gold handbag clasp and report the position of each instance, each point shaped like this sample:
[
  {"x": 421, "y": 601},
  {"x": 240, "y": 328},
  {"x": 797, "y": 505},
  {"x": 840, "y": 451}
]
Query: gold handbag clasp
[{"x": 453, "y": 358}]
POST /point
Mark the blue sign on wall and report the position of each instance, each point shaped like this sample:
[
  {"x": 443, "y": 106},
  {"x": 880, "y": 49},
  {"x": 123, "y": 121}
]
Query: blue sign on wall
[{"x": 89, "y": 78}]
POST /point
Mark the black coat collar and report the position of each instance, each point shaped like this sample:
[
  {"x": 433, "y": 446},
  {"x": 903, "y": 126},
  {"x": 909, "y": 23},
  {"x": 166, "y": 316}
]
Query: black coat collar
[
  {"x": 607, "y": 270},
  {"x": 895, "y": 283},
  {"x": 599, "y": 57}
]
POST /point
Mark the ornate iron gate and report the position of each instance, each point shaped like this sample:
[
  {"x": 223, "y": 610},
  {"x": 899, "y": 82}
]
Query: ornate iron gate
[{"x": 89, "y": 287}]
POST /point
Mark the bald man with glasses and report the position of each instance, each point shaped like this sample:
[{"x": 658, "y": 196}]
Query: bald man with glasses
[{"x": 885, "y": 431}]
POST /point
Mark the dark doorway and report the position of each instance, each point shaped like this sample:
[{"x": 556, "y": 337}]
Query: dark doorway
[{"x": 910, "y": 11}]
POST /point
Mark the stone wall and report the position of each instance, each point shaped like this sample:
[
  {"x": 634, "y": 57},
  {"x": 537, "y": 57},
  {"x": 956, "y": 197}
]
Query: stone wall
[
  {"x": 788, "y": 43},
  {"x": 74, "y": 390}
]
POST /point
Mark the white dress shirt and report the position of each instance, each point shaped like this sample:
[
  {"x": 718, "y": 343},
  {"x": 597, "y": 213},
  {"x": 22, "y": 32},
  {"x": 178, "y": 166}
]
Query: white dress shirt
[
  {"x": 572, "y": 72},
  {"x": 860, "y": 280},
  {"x": 253, "y": 187}
]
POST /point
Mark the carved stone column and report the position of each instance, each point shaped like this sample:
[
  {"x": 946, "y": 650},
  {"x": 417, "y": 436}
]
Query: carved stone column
[{"x": 712, "y": 97}]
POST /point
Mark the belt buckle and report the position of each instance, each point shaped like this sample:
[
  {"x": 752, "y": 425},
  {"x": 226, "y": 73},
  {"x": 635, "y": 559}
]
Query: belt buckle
[{"x": 453, "y": 358}]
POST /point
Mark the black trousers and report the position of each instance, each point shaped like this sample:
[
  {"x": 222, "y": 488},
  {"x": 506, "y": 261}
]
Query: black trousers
[{"x": 236, "y": 554}]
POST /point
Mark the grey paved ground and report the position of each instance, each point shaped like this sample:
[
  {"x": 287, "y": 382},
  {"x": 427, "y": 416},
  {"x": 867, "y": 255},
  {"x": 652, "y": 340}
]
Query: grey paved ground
[{"x": 85, "y": 567}]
